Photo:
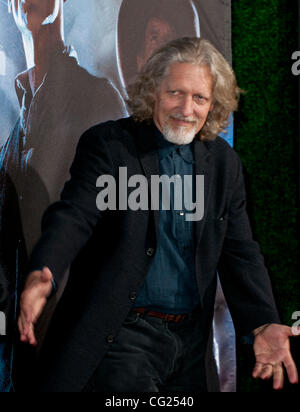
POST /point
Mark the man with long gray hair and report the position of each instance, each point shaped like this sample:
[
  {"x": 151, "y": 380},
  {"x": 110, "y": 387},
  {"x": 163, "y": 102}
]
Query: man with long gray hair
[{"x": 137, "y": 310}]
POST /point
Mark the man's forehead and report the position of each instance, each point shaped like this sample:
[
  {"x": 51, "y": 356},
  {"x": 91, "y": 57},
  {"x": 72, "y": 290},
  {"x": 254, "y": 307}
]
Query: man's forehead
[
  {"x": 157, "y": 23},
  {"x": 180, "y": 71},
  {"x": 188, "y": 76}
]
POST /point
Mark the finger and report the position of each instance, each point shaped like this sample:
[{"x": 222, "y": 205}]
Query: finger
[
  {"x": 20, "y": 325},
  {"x": 21, "y": 330},
  {"x": 278, "y": 377},
  {"x": 267, "y": 372},
  {"x": 31, "y": 336},
  {"x": 257, "y": 370},
  {"x": 26, "y": 321},
  {"x": 26, "y": 329},
  {"x": 46, "y": 275},
  {"x": 295, "y": 331},
  {"x": 291, "y": 370},
  {"x": 23, "y": 323}
]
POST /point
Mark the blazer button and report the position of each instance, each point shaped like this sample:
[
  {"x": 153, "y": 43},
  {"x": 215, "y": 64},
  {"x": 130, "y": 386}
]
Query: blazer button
[
  {"x": 110, "y": 339},
  {"x": 132, "y": 296},
  {"x": 150, "y": 252}
]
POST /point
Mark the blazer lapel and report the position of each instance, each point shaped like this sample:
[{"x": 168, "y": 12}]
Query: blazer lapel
[
  {"x": 148, "y": 155},
  {"x": 203, "y": 166}
]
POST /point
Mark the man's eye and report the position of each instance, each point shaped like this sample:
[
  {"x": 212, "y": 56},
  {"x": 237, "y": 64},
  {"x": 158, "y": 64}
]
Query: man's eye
[
  {"x": 173, "y": 92},
  {"x": 200, "y": 99}
]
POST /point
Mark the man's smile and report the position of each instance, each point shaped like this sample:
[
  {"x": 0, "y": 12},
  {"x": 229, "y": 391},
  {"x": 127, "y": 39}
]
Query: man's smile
[{"x": 182, "y": 121}]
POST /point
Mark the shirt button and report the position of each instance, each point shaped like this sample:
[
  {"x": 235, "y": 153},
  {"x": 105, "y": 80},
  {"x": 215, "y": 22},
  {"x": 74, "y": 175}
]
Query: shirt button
[
  {"x": 110, "y": 339},
  {"x": 150, "y": 252},
  {"x": 181, "y": 213},
  {"x": 132, "y": 296}
]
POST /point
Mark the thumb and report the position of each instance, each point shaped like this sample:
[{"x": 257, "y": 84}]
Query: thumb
[
  {"x": 295, "y": 331},
  {"x": 46, "y": 275}
]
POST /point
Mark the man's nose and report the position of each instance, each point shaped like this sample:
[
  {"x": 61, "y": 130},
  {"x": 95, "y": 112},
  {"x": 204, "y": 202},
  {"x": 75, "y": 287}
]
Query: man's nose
[{"x": 187, "y": 106}]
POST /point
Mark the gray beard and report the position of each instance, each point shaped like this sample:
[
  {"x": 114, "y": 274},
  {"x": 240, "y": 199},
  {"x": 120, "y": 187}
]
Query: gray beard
[{"x": 180, "y": 135}]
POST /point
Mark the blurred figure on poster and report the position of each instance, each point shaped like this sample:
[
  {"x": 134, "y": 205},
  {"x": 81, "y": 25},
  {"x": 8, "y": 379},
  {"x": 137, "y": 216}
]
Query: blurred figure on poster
[
  {"x": 58, "y": 101},
  {"x": 12, "y": 61},
  {"x": 143, "y": 27},
  {"x": 7, "y": 108}
]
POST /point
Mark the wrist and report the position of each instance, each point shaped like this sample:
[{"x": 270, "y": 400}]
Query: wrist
[{"x": 260, "y": 329}]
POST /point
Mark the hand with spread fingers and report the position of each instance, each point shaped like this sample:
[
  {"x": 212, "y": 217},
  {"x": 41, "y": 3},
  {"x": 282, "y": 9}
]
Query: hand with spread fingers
[
  {"x": 37, "y": 289},
  {"x": 272, "y": 353}
]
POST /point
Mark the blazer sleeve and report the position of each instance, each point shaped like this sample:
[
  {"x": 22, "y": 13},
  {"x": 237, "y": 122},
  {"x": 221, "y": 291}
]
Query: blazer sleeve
[
  {"x": 244, "y": 277},
  {"x": 68, "y": 224}
]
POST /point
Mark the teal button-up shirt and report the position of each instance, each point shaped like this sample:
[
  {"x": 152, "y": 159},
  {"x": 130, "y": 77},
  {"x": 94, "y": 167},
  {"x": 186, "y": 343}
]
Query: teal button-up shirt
[{"x": 171, "y": 285}]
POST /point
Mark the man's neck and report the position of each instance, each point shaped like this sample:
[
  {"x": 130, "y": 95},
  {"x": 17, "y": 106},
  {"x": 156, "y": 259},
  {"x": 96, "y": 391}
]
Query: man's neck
[
  {"x": 43, "y": 59},
  {"x": 39, "y": 51}
]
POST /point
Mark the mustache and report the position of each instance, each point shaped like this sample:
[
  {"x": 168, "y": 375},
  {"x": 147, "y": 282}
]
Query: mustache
[{"x": 178, "y": 116}]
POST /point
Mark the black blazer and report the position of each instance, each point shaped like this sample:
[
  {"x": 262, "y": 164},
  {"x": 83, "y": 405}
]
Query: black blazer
[{"x": 111, "y": 251}]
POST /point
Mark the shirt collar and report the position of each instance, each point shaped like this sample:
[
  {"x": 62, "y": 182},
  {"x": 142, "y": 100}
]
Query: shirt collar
[
  {"x": 22, "y": 80},
  {"x": 165, "y": 148}
]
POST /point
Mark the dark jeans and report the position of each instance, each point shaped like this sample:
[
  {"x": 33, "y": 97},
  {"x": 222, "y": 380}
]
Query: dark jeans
[{"x": 152, "y": 355}]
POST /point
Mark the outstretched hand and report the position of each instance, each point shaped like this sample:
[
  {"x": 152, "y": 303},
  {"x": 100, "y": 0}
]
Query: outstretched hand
[
  {"x": 272, "y": 352},
  {"x": 33, "y": 300}
]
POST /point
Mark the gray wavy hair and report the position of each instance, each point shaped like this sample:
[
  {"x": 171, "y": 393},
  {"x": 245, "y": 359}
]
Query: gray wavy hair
[{"x": 226, "y": 93}]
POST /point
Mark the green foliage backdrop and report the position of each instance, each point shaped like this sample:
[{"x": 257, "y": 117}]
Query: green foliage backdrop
[{"x": 265, "y": 34}]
